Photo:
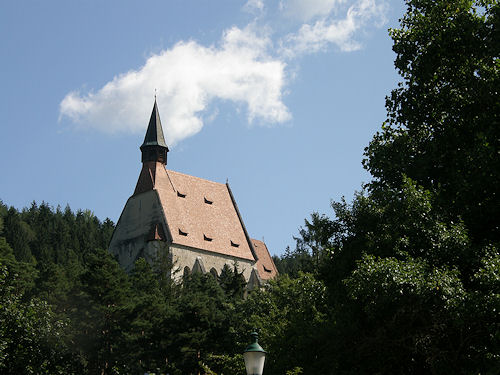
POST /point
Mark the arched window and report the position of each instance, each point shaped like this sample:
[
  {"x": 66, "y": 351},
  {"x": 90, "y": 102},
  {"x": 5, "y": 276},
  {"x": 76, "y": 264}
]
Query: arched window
[
  {"x": 187, "y": 271},
  {"x": 213, "y": 272}
]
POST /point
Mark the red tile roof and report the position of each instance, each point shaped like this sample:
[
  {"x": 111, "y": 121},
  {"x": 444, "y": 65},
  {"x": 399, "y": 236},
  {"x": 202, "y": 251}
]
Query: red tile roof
[
  {"x": 265, "y": 265},
  {"x": 199, "y": 213}
]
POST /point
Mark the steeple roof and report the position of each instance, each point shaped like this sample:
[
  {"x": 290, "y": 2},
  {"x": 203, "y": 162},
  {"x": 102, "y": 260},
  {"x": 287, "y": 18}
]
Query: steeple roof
[{"x": 154, "y": 134}]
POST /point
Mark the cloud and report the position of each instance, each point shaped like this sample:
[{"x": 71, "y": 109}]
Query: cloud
[
  {"x": 315, "y": 37},
  {"x": 244, "y": 68},
  {"x": 306, "y": 10},
  {"x": 254, "y": 5},
  {"x": 188, "y": 78}
]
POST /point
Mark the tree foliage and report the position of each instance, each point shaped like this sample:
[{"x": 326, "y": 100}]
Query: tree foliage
[
  {"x": 443, "y": 120},
  {"x": 29, "y": 333},
  {"x": 405, "y": 264}
]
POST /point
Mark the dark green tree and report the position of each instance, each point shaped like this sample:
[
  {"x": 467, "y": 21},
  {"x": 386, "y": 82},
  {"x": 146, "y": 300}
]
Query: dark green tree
[
  {"x": 202, "y": 323},
  {"x": 409, "y": 265},
  {"x": 100, "y": 307},
  {"x": 29, "y": 333},
  {"x": 443, "y": 126},
  {"x": 148, "y": 338},
  {"x": 311, "y": 247},
  {"x": 291, "y": 316},
  {"x": 20, "y": 275},
  {"x": 19, "y": 235},
  {"x": 232, "y": 281}
]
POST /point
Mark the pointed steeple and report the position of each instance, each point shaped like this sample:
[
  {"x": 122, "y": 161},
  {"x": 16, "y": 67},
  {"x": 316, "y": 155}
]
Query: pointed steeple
[{"x": 154, "y": 147}]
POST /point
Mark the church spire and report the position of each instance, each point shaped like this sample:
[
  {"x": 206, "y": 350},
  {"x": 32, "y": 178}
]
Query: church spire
[{"x": 154, "y": 147}]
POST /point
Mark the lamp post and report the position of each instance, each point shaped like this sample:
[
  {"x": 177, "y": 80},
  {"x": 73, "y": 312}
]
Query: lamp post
[{"x": 254, "y": 356}]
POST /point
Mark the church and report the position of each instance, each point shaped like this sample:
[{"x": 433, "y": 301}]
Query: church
[{"x": 193, "y": 220}]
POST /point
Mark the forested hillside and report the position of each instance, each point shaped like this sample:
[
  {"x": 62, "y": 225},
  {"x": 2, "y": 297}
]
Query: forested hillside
[
  {"x": 403, "y": 279},
  {"x": 68, "y": 307}
]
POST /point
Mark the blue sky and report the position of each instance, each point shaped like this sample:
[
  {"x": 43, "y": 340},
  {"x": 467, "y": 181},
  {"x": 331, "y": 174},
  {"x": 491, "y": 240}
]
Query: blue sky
[{"x": 278, "y": 97}]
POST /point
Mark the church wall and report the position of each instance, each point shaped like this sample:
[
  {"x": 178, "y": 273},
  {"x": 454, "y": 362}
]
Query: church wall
[
  {"x": 183, "y": 256},
  {"x": 129, "y": 241},
  {"x": 140, "y": 214}
]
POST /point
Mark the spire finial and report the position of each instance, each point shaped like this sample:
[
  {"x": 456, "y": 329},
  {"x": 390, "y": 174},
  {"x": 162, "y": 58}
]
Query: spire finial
[{"x": 155, "y": 94}]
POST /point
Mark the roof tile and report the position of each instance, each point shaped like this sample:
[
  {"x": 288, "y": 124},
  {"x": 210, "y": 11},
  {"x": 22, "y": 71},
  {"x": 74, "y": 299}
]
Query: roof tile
[
  {"x": 265, "y": 265},
  {"x": 192, "y": 215}
]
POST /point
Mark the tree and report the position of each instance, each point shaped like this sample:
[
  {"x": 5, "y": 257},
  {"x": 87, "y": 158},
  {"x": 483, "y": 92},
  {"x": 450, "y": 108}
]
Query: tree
[
  {"x": 99, "y": 314},
  {"x": 19, "y": 235},
  {"x": 20, "y": 275},
  {"x": 410, "y": 263},
  {"x": 232, "y": 281},
  {"x": 147, "y": 340},
  {"x": 311, "y": 248},
  {"x": 443, "y": 126},
  {"x": 290, "y": 315},
  {"x": 29, "y": 335},
  {"x": 201, "y": 323}
]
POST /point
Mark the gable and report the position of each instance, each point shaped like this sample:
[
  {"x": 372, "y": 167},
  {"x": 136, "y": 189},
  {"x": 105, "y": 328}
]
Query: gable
[
  {"x": 141, "y": 221},
  {"x": 265, "y": 264}
]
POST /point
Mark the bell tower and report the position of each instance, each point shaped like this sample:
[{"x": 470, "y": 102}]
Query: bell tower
[
  {"x": 154, "y": 154},
  {"x": 154, "y": 148}
]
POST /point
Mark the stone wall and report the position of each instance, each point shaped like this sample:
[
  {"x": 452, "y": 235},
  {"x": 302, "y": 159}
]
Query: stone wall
[
  {"x": 183, "y": 257},
  {"x": 129, "y": 240}
]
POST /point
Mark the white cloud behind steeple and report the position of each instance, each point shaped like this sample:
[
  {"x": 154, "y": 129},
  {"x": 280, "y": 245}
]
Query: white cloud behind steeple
[{"x": 248, "y": 67}]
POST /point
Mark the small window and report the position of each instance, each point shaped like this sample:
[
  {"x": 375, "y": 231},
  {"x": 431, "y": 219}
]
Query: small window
[
  {"x": 208, "y": 201},
  {"x": 267, "y": 269},
  {"x": 179, "y": 194},
  {"x": 213, "y": 272},
  {"x": 206, "y": 238},
  {"x": 182, "y": 233},
  {"x": 234, "y": 244}
]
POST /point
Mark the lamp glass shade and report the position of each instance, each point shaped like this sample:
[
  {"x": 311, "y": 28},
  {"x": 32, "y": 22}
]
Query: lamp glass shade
[{"x": 254, "y": 362}]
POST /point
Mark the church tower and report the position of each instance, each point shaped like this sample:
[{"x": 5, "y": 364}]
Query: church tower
[
  {"x": 154, "y": 154},
  {"x": 154, "y": 148}
]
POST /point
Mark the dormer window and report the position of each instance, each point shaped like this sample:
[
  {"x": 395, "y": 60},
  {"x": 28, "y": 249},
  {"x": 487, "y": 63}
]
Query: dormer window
[
  {"x": 179, "y": 194},
  {"x": 267, "y": 269},
  {"x": 234, "y": 244},
  {"x": 206, "y": 238},
  {"x": 182, "y": 233},
  {"x": 208, "y": 201}
]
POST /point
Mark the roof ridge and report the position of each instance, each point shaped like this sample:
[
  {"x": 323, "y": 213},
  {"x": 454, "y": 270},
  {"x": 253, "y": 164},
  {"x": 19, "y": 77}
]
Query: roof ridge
[
  {"x": 198, "y": 178},
  {"x": 247, "y": 237}
]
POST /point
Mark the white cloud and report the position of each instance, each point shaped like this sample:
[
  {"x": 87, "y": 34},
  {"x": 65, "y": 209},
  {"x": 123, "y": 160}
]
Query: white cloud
[
  {"x": 315, "y": 37},
  {"x": 242, "y": 69},
  {"x": 254, "y": 5},
  {"x": 188, "y": 77},
  {"x": 306, "y": 10}
]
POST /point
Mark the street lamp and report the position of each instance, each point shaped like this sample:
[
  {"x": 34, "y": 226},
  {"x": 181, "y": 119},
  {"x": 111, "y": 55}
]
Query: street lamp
[{"x": 254, "y": 356}]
